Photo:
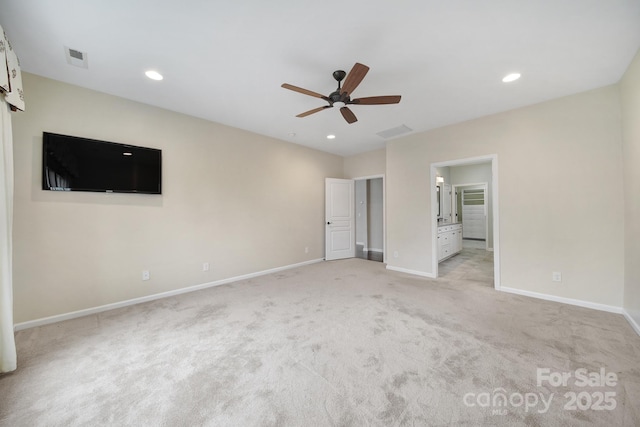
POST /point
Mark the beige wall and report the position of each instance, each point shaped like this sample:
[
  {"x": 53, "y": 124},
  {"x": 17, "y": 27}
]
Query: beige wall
[
  {"x": 241, "y": 201},
  {"x": 232, "y": 197},
  {"x": 561, "y": 202},
  {"x": 630, "y": 95},
  {"x": 365, "y": 164}
]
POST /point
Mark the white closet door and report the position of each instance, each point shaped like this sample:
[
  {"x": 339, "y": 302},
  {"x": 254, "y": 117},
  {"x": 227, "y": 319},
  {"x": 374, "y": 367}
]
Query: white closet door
[{"x": 474, "y": 224}]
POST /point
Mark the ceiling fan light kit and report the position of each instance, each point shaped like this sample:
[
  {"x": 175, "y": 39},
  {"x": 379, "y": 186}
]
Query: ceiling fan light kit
[{"x": 341, "y": 97}]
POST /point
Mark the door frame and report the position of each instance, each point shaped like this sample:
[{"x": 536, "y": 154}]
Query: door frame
[
  {"x": 485, "y": 187},
  {"x": 493, "y": 159},
  {"x": 384, "y": 211}
]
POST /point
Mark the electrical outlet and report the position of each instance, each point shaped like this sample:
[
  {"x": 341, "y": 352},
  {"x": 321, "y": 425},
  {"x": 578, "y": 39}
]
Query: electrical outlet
[
  {"x": 205, "y": 266},
  {"x": 306, "y": 249},
  {"x": 556, "y": 276},
  {"x": 396, "y": 254},
  {"x": 145, "y": 275}
]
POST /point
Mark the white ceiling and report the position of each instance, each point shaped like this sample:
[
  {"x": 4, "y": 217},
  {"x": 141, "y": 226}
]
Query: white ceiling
[{"x": 224, "y": 61}]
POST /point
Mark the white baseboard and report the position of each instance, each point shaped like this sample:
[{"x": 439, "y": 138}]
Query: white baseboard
[
  {"x": 632, "y": 321},
  {"x": 106, "y": 307},
  {"x": 570, "y": 301},
  {"x": 414, "y": 272}
]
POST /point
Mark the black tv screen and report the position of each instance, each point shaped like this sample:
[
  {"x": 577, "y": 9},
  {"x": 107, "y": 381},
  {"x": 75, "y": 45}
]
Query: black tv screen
[{"x": 80, "y": 164}]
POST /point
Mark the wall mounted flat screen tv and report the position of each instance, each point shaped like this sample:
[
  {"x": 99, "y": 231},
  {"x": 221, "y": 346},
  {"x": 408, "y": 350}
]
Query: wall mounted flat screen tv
[{"x": 70, "y": 163}]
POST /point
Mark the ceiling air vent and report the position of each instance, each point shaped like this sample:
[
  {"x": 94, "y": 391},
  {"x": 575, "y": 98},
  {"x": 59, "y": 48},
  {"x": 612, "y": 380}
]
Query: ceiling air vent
[
  {"x": 393, "y": 132},
  {"x": 76, "y": 54},
  {"x": 76, "y": 57}
]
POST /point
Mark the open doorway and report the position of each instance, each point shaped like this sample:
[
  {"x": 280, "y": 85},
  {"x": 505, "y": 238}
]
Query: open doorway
[
  {"x": 369, "y": 218},
  {"x": 471, "y": 254}
]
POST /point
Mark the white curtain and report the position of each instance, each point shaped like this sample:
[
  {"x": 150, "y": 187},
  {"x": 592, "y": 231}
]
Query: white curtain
[
  {"x": 11, "y": 98},
  {"x": 7, "y": 341}
]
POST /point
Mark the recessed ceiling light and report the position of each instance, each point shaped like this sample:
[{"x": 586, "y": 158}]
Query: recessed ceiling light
[
  {"x": 511, "y": 77},
  {"x": 292, "y": 134},
  {"x": 127, "y": 153},
  {"x": 153, "y": 75},
  {"x": 331, "y": 137}
]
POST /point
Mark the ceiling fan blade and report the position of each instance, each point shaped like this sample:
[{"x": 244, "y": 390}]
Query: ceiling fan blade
[
  {"x": 348, "y": 115},
  {"x": 354, "y": 78},
  {"x": 304, "y": 91},
  {"x": 315, "y": 110},
  {"x": 377, "y": 100}
]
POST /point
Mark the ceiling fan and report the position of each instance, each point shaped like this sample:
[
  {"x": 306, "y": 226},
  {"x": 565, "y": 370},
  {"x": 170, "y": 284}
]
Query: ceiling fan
[{"x": 341, "y": 97}]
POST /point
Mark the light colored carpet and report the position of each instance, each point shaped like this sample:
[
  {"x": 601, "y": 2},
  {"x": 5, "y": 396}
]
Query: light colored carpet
[{"x": 342, "y": 343}]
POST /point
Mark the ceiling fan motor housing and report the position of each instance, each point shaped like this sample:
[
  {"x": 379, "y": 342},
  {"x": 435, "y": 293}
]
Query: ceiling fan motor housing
[{"x": 338, "y": 97}]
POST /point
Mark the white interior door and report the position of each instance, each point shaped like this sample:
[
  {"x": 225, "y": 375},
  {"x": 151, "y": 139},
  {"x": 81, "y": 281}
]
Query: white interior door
[{"x": 340, "y": 236}]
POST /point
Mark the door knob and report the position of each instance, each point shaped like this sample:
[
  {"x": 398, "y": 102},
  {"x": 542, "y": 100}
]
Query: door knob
[{"x": 328, "y": 222}]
